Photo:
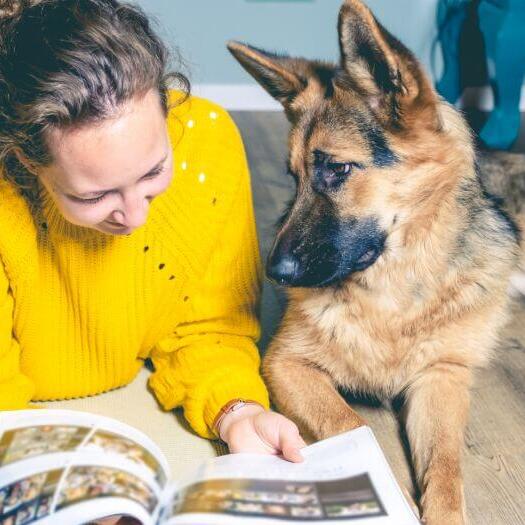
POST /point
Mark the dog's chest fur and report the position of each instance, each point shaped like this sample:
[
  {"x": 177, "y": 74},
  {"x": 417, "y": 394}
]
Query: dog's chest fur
[
  {"x": 359, "y": 354},
  {"x": 378, "y": 342}
]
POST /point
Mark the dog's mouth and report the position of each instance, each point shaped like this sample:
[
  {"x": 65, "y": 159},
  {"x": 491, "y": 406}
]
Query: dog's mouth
[
  {"x": 319, "y": 272},
  {"x": 368, "y": 258}
]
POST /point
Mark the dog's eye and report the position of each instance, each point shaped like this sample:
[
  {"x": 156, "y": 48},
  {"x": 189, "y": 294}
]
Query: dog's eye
[{"x": 340, "y": 168}]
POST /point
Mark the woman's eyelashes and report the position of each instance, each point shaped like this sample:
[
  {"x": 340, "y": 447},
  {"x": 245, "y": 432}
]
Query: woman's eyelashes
[
  {"x": 93, "y": 200},
  {"x": 153, "y": 173},
  {"x": 98, "y": 198}
]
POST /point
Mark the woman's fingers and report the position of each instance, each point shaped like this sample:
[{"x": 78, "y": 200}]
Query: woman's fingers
[
  {"x": 291, "y": 443},
  {"x": 266, "y": 433}
]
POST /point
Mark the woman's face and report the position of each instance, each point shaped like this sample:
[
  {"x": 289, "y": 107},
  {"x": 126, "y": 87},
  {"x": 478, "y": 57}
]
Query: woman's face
[{"x": 105, "y": 176}]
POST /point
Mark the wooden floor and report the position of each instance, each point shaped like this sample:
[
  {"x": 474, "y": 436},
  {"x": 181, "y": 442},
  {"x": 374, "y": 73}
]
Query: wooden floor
[{"x": 495, "y": 442}]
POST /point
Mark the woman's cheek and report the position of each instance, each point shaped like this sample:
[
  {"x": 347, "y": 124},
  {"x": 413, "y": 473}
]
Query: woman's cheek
[
  {"x": 164, "y": 181},
  {"x": 87, "y": 214},
  {"x": 156, "y": 187}
]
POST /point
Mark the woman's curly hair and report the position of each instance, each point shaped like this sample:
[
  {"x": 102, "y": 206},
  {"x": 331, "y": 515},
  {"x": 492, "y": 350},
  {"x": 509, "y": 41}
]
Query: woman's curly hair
[{"x": 66, "y": 63}]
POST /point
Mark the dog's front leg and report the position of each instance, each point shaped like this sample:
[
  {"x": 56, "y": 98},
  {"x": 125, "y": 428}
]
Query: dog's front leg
[
  {"x": 307, "y": 395},
  {"x": 437, "y": 411}
]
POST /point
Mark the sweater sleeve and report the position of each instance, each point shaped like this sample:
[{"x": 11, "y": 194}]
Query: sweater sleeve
[
  {"x": 211, "y": 357},
  {"x": 16, "y": 389}
]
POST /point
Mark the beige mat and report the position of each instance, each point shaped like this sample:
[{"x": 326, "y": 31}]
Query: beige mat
[{"x": 136, "y": 406}]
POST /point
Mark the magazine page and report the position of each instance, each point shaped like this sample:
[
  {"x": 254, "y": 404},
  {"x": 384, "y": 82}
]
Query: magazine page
[
  {"x": 344, "y": 479},
  {"x": 61, "y": 466}
]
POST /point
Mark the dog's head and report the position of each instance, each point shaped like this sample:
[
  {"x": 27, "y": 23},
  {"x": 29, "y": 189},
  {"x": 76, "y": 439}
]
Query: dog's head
[{"x": 351, "y": 124}]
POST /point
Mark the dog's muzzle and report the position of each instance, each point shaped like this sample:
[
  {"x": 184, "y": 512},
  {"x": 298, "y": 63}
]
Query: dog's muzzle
[{"x": 325, "y": 259}]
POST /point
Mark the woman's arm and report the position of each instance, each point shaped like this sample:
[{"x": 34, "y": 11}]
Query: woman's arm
[
  {"x": 16, "y": 389},
  {"x": 211, "y": 359}
]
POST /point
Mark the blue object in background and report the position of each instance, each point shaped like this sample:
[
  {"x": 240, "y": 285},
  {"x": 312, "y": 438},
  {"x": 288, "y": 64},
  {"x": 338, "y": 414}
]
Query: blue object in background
[
  {"x": 502, "y": 25},
  {"x": 451, "y": 17}
]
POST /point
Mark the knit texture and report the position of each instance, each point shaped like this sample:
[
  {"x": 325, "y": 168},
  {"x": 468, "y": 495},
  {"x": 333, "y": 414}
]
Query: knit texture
[{"x": 81, "y": 310}]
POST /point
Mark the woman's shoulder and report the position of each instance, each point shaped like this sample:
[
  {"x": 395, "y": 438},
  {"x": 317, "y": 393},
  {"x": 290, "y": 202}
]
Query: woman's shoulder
[
  {"x": 209, "y": 165},
  {"x": 209, "y": 172},
  {"x": 183, "y": 105},
  {"x": 207, "y": 146},
  {"x": 198, "y": 123}
]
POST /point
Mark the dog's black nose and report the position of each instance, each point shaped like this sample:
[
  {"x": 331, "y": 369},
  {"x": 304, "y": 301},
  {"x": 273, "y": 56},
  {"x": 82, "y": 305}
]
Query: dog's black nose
[{"x": 284, "y": 270}]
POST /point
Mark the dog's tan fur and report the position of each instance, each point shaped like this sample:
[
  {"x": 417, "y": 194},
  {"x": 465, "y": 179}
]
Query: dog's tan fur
[{"x": 426, "y": 314}]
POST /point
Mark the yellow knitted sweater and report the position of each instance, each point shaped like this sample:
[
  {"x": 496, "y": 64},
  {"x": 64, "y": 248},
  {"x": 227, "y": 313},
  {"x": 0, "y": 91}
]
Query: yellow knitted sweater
[{"x": 80, "y": 310}]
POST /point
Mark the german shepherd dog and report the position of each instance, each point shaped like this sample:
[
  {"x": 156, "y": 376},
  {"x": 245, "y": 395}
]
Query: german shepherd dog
[{"x": 395, "y": 258}]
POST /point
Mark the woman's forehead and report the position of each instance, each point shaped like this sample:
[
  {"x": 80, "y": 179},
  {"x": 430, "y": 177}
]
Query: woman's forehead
[{"x": 109, "y": 152}]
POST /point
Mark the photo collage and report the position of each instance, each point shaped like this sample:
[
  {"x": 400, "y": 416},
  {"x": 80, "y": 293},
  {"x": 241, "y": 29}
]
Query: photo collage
[
  {"x": 31, "y": 498},
  {"x": 104, "y": 441},
  {"x": 28, "y": 499},
  {"x": 22, "y": 443},
  {"x": 346, "y": 498},
  {"x": 88, "y": 482}
]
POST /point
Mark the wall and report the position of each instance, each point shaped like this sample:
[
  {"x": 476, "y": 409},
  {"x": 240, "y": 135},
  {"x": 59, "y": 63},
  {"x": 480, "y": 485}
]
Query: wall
[{"x": 200, "y": 29}]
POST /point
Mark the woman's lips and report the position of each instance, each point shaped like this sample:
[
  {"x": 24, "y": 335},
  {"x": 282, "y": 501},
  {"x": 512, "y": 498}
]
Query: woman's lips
[{"x": 116, "y": 225}]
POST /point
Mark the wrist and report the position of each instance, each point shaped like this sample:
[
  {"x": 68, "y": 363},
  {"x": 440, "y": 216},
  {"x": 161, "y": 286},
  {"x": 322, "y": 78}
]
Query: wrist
[
  {"x": 233, "y": 417},
  {"x": 233, "y": 411}
]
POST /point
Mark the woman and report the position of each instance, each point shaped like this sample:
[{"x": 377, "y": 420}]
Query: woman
[{"x": 126, "y": 227}]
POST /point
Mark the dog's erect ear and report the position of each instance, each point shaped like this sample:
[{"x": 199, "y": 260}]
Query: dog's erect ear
[
  {"x": 378, "y": 63},
  {"x": 279, "y": 75}
]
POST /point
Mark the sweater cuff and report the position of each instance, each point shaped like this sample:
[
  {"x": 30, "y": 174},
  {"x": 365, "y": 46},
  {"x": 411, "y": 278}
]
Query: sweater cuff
[
  {"x": 168, "y": 389},
  {"x": 206, "y": 400}
]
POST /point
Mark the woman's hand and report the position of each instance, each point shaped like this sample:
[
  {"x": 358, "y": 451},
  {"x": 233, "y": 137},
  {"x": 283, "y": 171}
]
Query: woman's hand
[{"x": 256, "y": 430}]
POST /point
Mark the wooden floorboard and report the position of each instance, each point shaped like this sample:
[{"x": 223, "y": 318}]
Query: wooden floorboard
[{"x": 495, "y": 443}]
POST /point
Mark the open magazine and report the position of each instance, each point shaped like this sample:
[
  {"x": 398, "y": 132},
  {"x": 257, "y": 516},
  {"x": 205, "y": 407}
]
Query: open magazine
[{"x": 67, "y": 467}]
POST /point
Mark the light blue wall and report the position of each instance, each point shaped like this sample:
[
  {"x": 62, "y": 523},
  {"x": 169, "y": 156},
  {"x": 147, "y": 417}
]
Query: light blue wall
[{"x": 200, "y": 28}]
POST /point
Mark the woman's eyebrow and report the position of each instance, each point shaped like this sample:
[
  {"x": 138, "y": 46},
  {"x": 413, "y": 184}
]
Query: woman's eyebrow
[{"x": 149, "y": 172}]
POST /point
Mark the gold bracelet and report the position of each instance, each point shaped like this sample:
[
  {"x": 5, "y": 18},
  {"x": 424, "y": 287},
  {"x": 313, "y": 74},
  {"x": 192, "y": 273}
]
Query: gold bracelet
[{"x": 228, "y": 408}]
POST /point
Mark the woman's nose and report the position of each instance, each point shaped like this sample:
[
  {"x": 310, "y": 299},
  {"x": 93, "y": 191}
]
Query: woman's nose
[{"x": 136, "y": 209}]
